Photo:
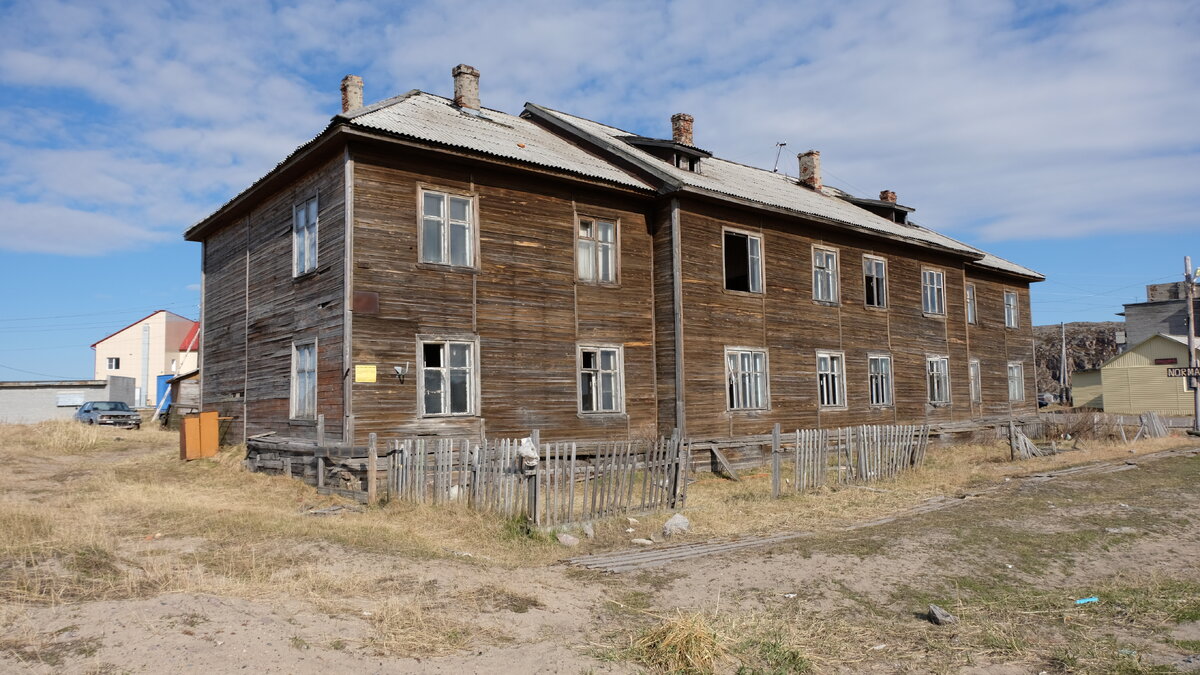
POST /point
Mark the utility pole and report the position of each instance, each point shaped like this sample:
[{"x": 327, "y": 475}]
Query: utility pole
[
  {"x": 1189, "y": 285},
  {"x": 1063, "y": 394}
]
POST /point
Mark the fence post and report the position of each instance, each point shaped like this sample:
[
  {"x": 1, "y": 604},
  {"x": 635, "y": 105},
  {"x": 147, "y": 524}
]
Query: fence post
[
  {"x": 372, "y": 457},
  {"x": 776, "y": 461},
  {"x": 677, "y": 454},
  {"x": 1012, "y": 441},
  {"x": 532, "y": 479},
  {"x": 320, "y": 450}
]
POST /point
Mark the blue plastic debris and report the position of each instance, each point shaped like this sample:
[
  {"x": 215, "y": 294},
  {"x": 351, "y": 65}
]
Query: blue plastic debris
[{"x": 1084, "y": 601}]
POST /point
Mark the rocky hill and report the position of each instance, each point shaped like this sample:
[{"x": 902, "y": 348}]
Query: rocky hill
[{"x": 1089, "y": 344}]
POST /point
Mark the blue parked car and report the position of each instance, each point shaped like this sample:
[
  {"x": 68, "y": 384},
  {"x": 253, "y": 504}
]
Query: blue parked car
[{"x": 112, "y": 413}]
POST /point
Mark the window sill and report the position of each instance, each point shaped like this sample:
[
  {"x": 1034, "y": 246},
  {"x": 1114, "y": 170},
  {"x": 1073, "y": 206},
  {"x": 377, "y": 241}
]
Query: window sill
[
  {"x": 931, "y": 404},
  {"x": 302, "y": 423},
  {"x": 931, "y": 315},
  {"x": 447, "y": 268},
  {"x": 311, "y": 274},
  {"x": 827, "y": 303},
  {"x": 603, "y": 415},
  {"x": 451, "y": 416},
  {"x": 882, "y": 406},
  {"x": 875, "y": 308},
  {"x": 735, "y": 411},
  {"x": 833, "y": 408},
  {"x": 751, "y": 294},
  {"x": 598, "y": 284}
]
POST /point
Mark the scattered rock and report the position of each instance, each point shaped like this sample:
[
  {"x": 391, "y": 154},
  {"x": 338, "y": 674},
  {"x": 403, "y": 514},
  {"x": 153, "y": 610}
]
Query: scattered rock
[
  {"x": 630, "y": 530},
  {"x": 940, "y": 616},
  {"x": 632, "y": 521},
  {"x": 588, "y": 531},
  {"x": 676, "y": 524},
  {"x": 567, "y": 540},
  {"x": 1120, "y": 530},
  {"x": 641, "y": 542}
]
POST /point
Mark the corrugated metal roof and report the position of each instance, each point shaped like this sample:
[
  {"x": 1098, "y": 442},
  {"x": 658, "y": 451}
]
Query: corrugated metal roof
[
  {"x": 431, "y": 118},
  {"x": 772, "y": 189}
]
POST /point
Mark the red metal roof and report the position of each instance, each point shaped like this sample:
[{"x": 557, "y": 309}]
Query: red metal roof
[{"x": 188, "y": 345}]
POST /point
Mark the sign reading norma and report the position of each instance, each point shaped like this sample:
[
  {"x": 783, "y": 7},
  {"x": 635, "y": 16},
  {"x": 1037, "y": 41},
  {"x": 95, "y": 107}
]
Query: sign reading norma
[{"x": 1183, "y": 372}]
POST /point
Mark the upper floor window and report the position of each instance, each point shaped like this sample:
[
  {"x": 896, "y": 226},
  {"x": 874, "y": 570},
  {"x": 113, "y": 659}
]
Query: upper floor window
[
  {"x": 976, "y": 381},
  {"x": 1016, "y": 381},
  {"x": 447, "y": 229},
  {"x": 596, "y": 250},
  {"x": 825, "y": 275},
  {"x": 1010, "y": 309},
  {"x": 937, "y": 370},
  {"x": 600, "y": 380},
  {"x": 933, "y": 292},
  {"x": 304, "y": 237},
  {"x": 874, "y": 281},
  {"x": 831, "y": 379},
  {"x": 972, "y": 315},
  {"x": 879, "y": 379},
  {"x": 743, "y": 262},
  {"x": 114, "y": 363},
  {"x": 746, "y": 379},
  {"x": 304, "y": 380}
]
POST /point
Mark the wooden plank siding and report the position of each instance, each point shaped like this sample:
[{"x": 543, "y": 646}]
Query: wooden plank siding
[
  {"x": 995, "y": 345},
  {"x": 522, "y": 302}
]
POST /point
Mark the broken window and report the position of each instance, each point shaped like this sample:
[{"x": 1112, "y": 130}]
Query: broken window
[
  {"x": 874, "y": 281},
  {"x": 879, "y": 379},
  {"x": 1010, "y": 309},
  {"x": 304, "y": 237},
  {"x": 976, "y": 381},
  {"x": 825, "y": 276},
  {"x": 596, "y": 251},
  {"x": 447, "y": 230},
  {"x": 743, "y": 262},
  {"x": 600, "y": 380},
  {"x": 937, "y": 369},
  {"x": 1016, "y": 381},
  {"x": 972, "y": 316},
  {"x": 831, "y": 379},
  {"x": 447, "y": 378},
  {"x": 746, "y": 379},
  {"x": 933, "y": 292},
  {"x": 304, "y": 380}
]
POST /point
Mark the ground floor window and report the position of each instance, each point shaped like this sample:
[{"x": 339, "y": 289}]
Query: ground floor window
[
  {"x": 304, "y": 380},
  {"x": 976, "y": 383},
  {"x": 879, "y": 379},
  {"x": 831, "y": 379},
  {"x": 937, "y": 369},
  {"x": 746, "y": 378},
  {"x": 600, "y": 386},
  {"x": 447, "y": 377},
  {"x": 1016, "y": 381}
]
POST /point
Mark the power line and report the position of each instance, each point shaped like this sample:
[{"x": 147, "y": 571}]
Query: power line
[{"x": 34, "y": 372}]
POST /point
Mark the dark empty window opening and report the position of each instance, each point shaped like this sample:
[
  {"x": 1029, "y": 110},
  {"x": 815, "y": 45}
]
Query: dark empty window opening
[{"x": 743, "y": 262}]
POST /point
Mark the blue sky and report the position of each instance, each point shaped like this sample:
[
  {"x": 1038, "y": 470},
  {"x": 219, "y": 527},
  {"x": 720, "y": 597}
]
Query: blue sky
[{"x": 1063, "y": 136}]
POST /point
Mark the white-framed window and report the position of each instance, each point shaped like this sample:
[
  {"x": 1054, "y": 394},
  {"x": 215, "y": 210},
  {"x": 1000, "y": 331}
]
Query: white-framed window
[
  {"x": 933, "y": 291},
  {"x": 447, "y": 380},
  {"x": 447, "y": 229},
  {"x": 304, "y": 380},
  {"x": 831, "y": 379},
  {"x": 879, "y": 379},
  {"x": 114, "y": 363},
  {"x": 874, "y": 281},
  {"x": 825, "y": 275},
  {"x": 304, "y": 237},
  {"x": 976, "y": 377},
  {"x": 743, "y": 261},
  {"x": 937, "y": 370},
  {"x": 596, "y": 251},
  {"x": 601, "y": 385},
  {"x": 972, "y": 312},
  {"x": 1010, "y": 309},
  {"x": 1016, "y": 381},
  {"x": 746, "y": 378}
]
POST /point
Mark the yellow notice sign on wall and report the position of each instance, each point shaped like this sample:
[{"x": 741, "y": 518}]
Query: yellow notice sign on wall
[{"x": 364, "y": 373}]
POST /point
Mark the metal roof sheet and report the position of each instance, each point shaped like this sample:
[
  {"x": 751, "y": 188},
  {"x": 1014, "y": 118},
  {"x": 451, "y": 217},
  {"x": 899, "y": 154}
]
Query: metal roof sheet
[{"x": 431, "y": 118}]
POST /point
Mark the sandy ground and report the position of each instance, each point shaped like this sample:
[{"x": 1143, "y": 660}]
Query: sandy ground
[{"x": 574, "y": 625}]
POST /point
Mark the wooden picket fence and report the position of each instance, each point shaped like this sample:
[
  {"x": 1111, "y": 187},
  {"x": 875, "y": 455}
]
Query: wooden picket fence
[
  {"x": 570, "y": 482},
  {"x": 859, "y": 454}
]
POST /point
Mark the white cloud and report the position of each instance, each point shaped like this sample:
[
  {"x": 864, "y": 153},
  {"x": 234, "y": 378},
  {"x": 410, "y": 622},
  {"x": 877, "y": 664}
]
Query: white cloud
[{"x": 48, "y": 228}]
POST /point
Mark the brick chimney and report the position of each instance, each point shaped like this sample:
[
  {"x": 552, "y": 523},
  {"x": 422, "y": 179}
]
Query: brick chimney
[
  {"x": 681, "y": 128},
  {"x": 352, "y": 93},
  {"x": 810, "y": 169},
  {"x": 466, "y": 86},
  {"x": 887, "y": 196}
]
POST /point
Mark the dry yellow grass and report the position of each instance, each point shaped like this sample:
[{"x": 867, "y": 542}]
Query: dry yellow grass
[
  {"x": 55, "y": 438},
  {"x": 685, "y": 642}
]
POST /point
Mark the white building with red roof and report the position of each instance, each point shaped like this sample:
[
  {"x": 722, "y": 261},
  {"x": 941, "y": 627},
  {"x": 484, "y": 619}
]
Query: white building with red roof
[{"x": 162, "y": 343}]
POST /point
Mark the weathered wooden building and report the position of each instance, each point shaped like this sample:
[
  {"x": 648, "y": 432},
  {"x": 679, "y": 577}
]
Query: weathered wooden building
[{"x": 430, "y": 266}]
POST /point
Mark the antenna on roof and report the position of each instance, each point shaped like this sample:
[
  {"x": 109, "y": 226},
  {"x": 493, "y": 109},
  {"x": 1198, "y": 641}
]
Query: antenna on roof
[{"x": 778, "y": 152}]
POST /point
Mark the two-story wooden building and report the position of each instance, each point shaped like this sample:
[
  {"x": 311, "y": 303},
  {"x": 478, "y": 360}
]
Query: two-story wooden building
[{"x": 430, "y": 266}]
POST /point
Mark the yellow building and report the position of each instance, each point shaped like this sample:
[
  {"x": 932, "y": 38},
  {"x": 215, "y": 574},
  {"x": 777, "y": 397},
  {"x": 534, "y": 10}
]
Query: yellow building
[
  {"x": 162, "y": 343},
  {"x": 1136, "y": 380}
]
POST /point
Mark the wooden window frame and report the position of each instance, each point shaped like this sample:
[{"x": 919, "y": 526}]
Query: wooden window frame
[
  {"x": 294, "y": 411},
  {"x": 1020, "y": 366},
  {"x": 619, "y": 387},
  {"x": 975, "y": 380},
  {"x": 311, "y": 231},
  {"x": 473, "y": 381},
  {"x": 834, "y": 275},
  {"x": 941, "y": 291},
  {"x": 729, "y": 376},
  {"x": 930, "y": 359},
  {"x": 890, "y": 391},
  {"x": 971, "y": 298},
  {"x": 839, "y": 375},
  {"x": 1013, "y": 321},
  {"x": 472, "y": 222},
  {"x": 869, "y": 259},
  {"x": 762, "y": 271},
  {"x": 616, "y": 250}
]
